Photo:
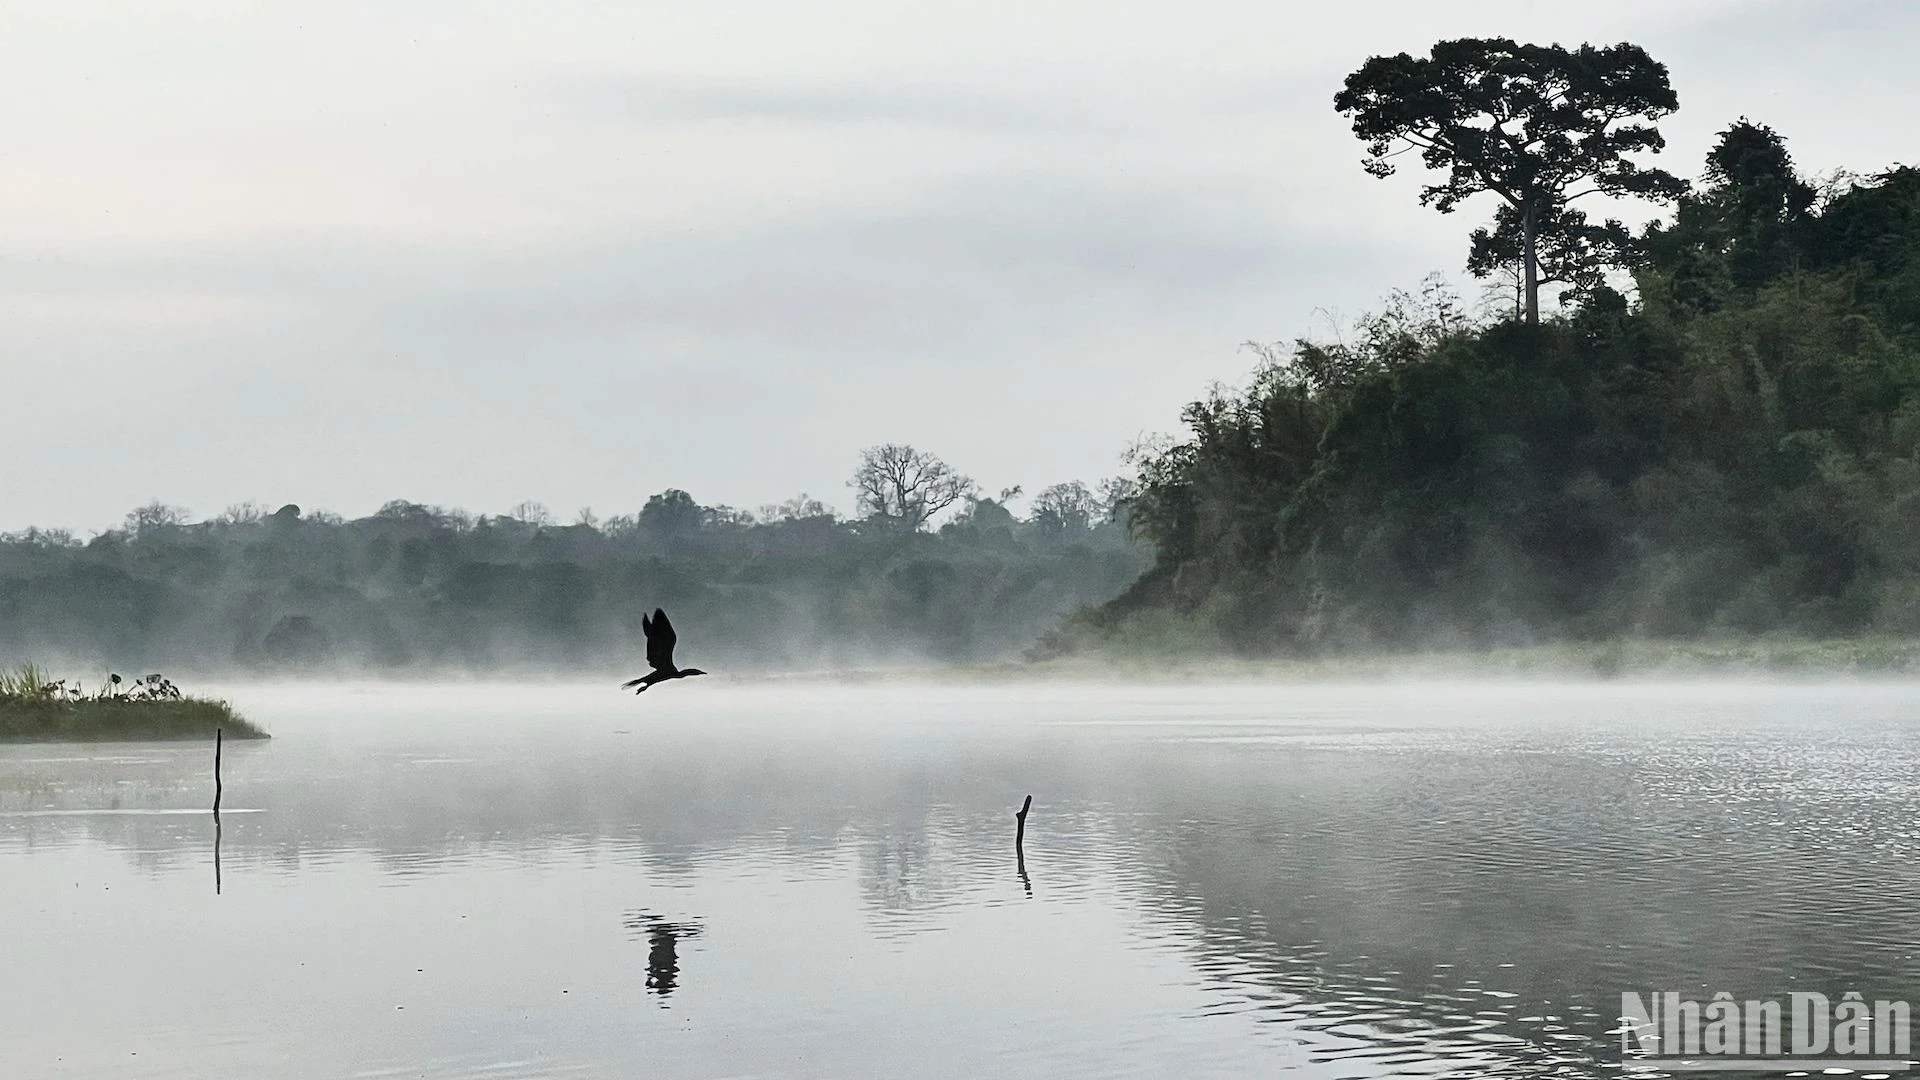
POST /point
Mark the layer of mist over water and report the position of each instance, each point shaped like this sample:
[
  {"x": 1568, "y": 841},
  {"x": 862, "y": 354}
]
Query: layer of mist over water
[{"x": 721, "y": 881}]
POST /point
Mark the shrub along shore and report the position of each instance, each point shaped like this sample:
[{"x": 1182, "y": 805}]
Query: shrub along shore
[{"x": 34, "y": 709}]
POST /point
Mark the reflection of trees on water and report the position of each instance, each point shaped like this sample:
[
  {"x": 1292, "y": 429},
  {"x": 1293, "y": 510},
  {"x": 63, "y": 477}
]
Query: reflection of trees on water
[
  {"x": 663, "y": 949},
  {"x": 895, "y": 870},
  {"x": 913, "y": 867},
  {"x": 1386, "y": 900},
  {"x": 413, "y": 811},
  {"x": 1489, "y": 905},
  {"x": 917, "y": 840}
]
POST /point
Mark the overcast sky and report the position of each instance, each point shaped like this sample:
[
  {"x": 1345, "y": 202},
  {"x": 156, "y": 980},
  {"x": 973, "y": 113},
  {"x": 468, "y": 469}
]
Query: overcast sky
[{"x": 477, "y": 252}]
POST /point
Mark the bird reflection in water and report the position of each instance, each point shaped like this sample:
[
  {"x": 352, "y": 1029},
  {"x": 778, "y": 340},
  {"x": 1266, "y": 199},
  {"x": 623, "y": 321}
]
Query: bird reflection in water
[{"x": 663, "y": 955}]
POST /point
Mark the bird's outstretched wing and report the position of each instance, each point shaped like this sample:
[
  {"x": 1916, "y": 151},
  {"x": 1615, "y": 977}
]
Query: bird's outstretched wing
[{"x": 660, "y": 639}]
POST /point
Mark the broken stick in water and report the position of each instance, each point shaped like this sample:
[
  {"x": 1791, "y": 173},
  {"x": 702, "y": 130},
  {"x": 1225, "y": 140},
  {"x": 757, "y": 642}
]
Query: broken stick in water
[
  {"x": 216, "y": 772},
  {"x": 1020, "y": 844}
]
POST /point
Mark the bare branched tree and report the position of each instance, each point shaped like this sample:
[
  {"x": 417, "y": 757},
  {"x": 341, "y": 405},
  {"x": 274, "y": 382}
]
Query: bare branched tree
[
  {"x": 1115, "y": 493},
  {"x": 155, "y": 515},
  {"x": 42, "y": 538},
  {"x": 799, "y": 508},
  {"x": 904, "y": 486},
  {"x": 1065, "y": 508},
  {"x": 532, "y": 513},
  {"x": 242, "y": 513}
]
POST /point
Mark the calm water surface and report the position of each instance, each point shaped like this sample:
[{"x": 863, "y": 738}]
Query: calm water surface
[{"x": 716, "y": 881}]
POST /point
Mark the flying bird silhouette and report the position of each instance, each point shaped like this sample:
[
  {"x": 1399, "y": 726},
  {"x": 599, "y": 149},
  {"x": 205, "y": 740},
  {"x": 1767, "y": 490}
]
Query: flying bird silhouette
[{"x": 660, "y": 639}]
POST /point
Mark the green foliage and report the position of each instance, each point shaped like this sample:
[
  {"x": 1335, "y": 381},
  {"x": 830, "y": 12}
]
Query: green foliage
[
  {"x": 25, "y": 683},
  {"x": 36, "y": 708},
  {"x": 120, "y": 721},
  {"x": 418, "y": 587},
  {"x": 1569, "y": 249},
  {"x": 1737, "y": 453},
  {"x": 671, "y": 513},
  {"x": 1539, "y": 126}
]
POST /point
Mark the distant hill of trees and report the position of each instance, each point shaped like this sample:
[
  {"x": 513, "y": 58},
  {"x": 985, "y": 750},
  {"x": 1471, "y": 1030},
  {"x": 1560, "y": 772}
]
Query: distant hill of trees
[
  {"x": 420, "y": 588},
  {"x": 1734, "y": 451}
]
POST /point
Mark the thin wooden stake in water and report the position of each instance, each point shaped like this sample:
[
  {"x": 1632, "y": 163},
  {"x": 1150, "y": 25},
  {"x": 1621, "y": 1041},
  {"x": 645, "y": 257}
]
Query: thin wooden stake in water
[
  {"x": 1020, "y": 844},
  {"x": 216, "y": 811}
]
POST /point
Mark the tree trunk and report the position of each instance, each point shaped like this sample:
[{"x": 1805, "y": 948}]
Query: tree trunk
[{"x": 1531, "y": 258}]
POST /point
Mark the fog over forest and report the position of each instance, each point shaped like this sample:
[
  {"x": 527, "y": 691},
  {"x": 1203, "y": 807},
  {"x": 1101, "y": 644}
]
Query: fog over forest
[
  {"x": 417, "y": 588},
  {"x": 1707, "y": 427}
]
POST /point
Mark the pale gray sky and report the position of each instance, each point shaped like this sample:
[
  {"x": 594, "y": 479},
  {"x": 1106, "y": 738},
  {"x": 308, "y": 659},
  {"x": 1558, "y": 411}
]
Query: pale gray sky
[{"x": 477, "y": 252}]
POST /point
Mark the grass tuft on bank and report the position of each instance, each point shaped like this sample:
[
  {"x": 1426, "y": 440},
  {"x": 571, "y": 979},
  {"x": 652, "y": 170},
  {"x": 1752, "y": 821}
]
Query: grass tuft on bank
[{"x": 35, "y": 708}]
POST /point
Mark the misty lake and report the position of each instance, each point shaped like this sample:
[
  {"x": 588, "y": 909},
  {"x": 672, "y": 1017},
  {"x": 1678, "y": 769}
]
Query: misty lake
[{"x": 819, "y": 881}]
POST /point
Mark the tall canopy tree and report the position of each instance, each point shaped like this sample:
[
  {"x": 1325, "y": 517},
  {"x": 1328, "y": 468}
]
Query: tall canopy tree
[
  {"x": 1745, "y": 224},
  {"x": 1569, "y": 249},
  {"x": 1753, "y": 187},
  {"x": 905, "y": 486},
  {"x": 673, "y": 512},
  {"x": 1538, "y": 125}
]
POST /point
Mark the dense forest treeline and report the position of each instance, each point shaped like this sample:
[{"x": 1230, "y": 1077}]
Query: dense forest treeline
[
  {"x": 1733, "y": 451},
  {"x": 417, "y": 587},
  {"x": 1715, "y": 435}
]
